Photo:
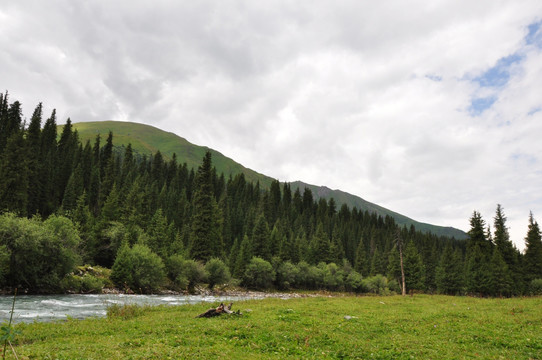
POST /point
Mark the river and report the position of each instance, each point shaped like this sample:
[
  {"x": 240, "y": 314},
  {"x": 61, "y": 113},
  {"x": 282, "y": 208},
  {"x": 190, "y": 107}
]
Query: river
[{"x": 30, "y": 308}]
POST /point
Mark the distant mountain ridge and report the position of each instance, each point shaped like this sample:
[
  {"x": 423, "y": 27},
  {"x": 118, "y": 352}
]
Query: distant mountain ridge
[{"x": 147, "y": 139}]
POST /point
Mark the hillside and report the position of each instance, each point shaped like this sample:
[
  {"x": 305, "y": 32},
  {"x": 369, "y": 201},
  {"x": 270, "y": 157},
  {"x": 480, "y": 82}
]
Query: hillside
[{"x": 146, "y": 139}]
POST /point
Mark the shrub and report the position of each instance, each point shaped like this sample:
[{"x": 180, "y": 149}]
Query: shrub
[
  {"x": 377, "y": 284},
  {"x": 194, "y": 272},
  {"x": 138, "y": 268},
  {"x": 354, "y": 282},
  {"x": 536, "y": 287},
  {"x": 332, "y": 276},
  {"x": 41, "y": 253},
  {"x": 259, "y": 274},
  {"x": 217, "y": 272},
  {"x": 126, "y": 311},
  {"x": 287, "y": 274}
]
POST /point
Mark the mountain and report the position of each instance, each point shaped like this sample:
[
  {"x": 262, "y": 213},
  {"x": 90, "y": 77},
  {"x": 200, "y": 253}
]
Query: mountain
[{"x": 146, "y": 140}]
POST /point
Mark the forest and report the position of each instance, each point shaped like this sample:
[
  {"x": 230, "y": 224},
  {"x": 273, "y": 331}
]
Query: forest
[{"x": 77, "y": 217}]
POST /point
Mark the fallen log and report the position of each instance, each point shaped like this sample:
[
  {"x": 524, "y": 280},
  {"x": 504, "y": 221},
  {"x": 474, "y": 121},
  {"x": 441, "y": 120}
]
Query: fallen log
[{"x": 221, "y": 309}]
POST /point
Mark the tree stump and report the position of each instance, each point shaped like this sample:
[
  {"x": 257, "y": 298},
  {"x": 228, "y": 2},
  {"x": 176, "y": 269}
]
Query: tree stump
[{"x": 221, "y": 309}]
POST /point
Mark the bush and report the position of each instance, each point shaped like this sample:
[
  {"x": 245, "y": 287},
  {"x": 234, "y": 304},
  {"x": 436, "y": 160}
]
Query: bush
[
  {"x": 377, "y": 284},
  {"x": 4, "y": 264},
  {"x": 287, "y": 274},
  {"x": 185, "y": 274},
  {"x": 308, "y": 277},
  {"x": 332, "y": 276},
  {"x": 82, "y": 284},
  {"x": 259, "y": 274},
  {"x": 126, "y": 311},
  {"x": 354, "y": 282},
  {"x": 536, "y": 287},
  {"x": 217, "y": 272},
  {"x": 41, "y": 253},
  {"x": 138, "y": 268}
]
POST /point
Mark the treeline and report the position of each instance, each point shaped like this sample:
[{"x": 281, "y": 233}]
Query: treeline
[{"x": 156, "y": 223}]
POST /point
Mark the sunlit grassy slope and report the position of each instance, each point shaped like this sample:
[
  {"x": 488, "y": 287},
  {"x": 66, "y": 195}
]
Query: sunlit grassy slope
[{"x": 147, "y": 139}]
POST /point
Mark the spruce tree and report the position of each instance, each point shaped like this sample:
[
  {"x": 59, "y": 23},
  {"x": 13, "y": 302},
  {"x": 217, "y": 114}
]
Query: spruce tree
[
  {"x": 206, "y": 241},
  {"x": 261, "y": 239},
  {"x": 533, "y": 251},
  {"x": 14, "y": 176},
  {"x": 449, "y": 274},
  {"x": 414, "y": 268},
  {"x": 361, "y": 264},
  {"x": 33, "y": 135}
]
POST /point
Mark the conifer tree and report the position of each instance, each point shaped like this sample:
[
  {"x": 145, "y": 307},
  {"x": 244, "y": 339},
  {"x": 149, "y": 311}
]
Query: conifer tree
[
  {"x": 414, "y": 268},
  {"x": 261, "y": 239},
  {"x": 48, "y": 166},
  {"x": 361, "y": 264},
  {"x": 320, "y": 246},
  {"x": 243, "y": 258},
  {"x": 449, "y": 274},
  {"x": 206, "y": 241},
  {"x": 533, "y": 251},
  {"x": 14, "y": 176},
  {"x": 33, "y": 135}
]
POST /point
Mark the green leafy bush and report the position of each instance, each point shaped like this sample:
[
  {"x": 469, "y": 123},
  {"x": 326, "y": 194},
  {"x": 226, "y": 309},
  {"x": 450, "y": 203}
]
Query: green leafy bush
[
  {"x": 138, "y": 269},
  {"x": 41, "y": 253},
  {"x": 217, "y": 272},
  {"x": 377, "y": 284},
  {"x": 354, "y": 282},
  {"x": 286, "y": 276},
  {"x": 259, "y": 274},
  {"x": 536, "y": 287}
]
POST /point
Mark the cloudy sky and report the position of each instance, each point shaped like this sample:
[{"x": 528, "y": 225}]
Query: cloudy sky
[{"x": 430, "y": 108}]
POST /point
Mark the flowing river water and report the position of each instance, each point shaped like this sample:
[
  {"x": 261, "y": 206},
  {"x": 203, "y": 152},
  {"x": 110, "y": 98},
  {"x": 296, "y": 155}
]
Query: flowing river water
[{"x": 30, "y": 308}]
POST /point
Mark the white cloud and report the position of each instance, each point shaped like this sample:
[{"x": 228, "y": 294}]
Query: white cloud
[{"x": 374, "y": 99}]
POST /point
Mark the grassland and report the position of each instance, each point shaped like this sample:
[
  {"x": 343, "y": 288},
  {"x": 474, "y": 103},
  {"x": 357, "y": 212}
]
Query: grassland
[{"x": 419, "y": 327}]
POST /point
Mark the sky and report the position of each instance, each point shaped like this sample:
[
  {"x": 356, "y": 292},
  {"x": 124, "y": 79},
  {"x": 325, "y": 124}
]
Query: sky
[{"x": 432, "y": 109}]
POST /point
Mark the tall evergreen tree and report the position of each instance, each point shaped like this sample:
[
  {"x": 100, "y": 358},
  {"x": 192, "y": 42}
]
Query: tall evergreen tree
[
  {"x": 533, "y": 251},
  {"x": 449, "y": 274},
  {"x": 14, "y": 176},
  {"x": 414, "y": 268},
  {"x": 261, "y": 237},
  {"x": 33, "y": 135},
  {"x": 206, "y": 241}
]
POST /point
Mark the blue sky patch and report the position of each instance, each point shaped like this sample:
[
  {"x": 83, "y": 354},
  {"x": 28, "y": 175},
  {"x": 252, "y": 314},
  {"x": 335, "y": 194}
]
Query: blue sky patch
[
  {"x": 479, "y": 105},
  {"x": 534, "y": 36},
  {"x": 498, "y": 75}
]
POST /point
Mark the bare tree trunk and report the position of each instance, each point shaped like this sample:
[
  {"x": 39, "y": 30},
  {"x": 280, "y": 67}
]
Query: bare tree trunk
[{"x": 400, "y": 243}]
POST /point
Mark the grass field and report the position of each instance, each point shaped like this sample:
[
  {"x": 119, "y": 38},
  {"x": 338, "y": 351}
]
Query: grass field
[{"x": 419, "y": 327}]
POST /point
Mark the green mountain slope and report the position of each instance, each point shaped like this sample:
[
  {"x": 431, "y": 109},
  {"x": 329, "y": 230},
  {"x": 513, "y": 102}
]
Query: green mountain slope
[
  {"x": 146, "y": 139},
  {"x": 342, "y": 197}
]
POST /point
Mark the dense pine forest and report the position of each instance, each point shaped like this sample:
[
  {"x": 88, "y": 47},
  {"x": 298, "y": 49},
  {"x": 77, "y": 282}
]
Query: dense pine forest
[{"x": 78, "y": 217}]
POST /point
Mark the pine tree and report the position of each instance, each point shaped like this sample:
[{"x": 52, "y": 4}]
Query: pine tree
[
  {"x": 500, "y": 279},
  {"x": 320, "y": 246},
  {"x": 206, "y": 241},
  {"x": 243, "y": 258},
  {"x": 414, "y": 268},
  {"x": 74, "y": 189},
  {"x": 33, "y": 135},
  {"x": 261, "y": 239},
  {"x": 361, "y": 264},
  {"x": 48, "y": 166},
  {"x": 533, "y": 251},
  {"x": 449, "y": 274},
  {"x": 14, "y": 176}
]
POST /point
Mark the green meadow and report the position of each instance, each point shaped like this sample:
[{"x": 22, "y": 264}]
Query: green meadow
[{"x": 339, "y": 327}]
